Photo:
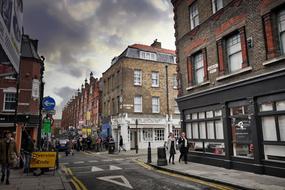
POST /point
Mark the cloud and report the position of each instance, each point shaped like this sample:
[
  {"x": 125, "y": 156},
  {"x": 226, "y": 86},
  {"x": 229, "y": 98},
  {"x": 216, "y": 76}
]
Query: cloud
[{"x": 80, "y": 36}]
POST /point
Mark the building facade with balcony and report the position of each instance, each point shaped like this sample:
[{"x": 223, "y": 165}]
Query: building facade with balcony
[
  {"x": 231, "y": 71},
  {"x": 139, "y": 94}
]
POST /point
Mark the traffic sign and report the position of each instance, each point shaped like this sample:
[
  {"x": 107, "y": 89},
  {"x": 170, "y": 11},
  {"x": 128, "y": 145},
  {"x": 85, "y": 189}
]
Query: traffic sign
[{"x": 48, "y": 103}]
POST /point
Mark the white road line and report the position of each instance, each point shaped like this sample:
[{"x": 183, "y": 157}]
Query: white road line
[
  {"x": 96, "y": 169},
  {"x": 79, "y": 162},
  {"x": 110, "y": 179},
  {"x": 119, "y": 159},
  {"x": 64, "y": 163},
  {"x": 108, "y": 160},
  {"x": 92, "y": 161},
  {"x": 114, "y": 167}
]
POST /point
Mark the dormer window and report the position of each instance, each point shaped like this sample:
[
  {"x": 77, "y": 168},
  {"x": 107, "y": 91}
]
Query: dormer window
[{"x": 148, "y": 55}]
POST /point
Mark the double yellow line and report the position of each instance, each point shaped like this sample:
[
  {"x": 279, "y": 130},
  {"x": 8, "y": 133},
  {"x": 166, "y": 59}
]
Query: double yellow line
[
  {"x": 74, "y": 180},
  {"x": 192, "y": 179}
]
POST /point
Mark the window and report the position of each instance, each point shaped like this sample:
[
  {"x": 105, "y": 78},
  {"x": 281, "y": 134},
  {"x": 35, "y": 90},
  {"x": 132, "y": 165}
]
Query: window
[
  {"x": 281, "y": 21},
  {"x": 241, "y": 131},
  {"x": 205, "y": 129},
  {"x": 176, "y": 133},
  {"x": 138, "y": 77},
  {"x": 155, "y": 105},
  {"x": 155, "y": 79},
  {"x": 217, "y": 5},
  {"x": 10, "y": 101},
  {"x": 273, "y": 127},
  {"x": 138, "y": 104},
  {"x": 174, "y": 79},
  {"x": 159, "y": 134},
  {"x": 198, "y": 68},
  {"x": 234, "y": 53},
  {"x": 194, "y": 16},
  {"x": 147, "y": 135},
  {"x": 148, "y": 55}
]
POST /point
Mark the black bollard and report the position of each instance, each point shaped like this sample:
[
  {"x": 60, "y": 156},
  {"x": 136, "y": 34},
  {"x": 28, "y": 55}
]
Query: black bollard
[
  {"x": 161, "y": 157},
  {"x": 149, "y": 153}
]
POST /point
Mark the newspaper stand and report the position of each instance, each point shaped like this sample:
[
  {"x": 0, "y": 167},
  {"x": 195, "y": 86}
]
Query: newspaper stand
[{"x": 43, "y": 160}]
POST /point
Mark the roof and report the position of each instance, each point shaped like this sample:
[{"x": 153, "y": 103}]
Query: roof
[
  {"x": 152, "y": 49},
  {"x": 28, "y": 48}
]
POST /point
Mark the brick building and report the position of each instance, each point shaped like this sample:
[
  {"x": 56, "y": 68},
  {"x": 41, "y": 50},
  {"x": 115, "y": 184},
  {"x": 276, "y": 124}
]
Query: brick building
[
  {"x": 84, "y": 109},
  {"x": 141, "y": 85},
  {"x": 231, "y": 66},
  {"x": 20, "y": 107}
]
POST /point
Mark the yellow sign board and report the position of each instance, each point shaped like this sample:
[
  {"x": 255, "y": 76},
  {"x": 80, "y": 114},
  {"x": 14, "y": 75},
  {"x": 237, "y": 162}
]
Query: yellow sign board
[{"x": 43, "y": 160}]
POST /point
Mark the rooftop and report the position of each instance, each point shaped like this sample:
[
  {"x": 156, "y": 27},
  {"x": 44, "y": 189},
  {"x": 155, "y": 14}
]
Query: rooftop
[{"x": 152, "y": 49}]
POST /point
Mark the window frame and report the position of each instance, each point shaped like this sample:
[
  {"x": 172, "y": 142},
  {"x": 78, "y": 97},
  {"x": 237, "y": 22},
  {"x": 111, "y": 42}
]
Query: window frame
[
  {"x": 149, "y": 135},
  {"x": 155, "y": 73},
  {"x": 280, "y": 32},
  {"x": 5, "y": 101},
  {"x": 159, "y": 134},
  {"x": 138, "y": 77},
  {"x": 135, "y": 104},
  {"x": 193, "y": 8},
  {"x": 196, "y": 59},
  {"x": 157, "y": 105},
  {"x": 148, "y": 55},
  {"x": 229, "y": 55},
  {"x": 215, "y": 5}
]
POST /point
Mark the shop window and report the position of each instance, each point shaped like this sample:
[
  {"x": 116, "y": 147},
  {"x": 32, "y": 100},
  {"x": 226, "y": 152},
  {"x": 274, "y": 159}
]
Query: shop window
[
  {"x": 241, "y": 131},
  {"x": 281, "y": 122},
  {"x": 187, "y": 116},
  {"x": 219, "y": 129},
  {"x": 147, "y": 135},
  {"x": 159, "y": 134},
  {"x": 202, "y": 130},
  {"x": 215, "y": 148},
  {"x": 209, "y": 114},
  {"x": 194, "y": 116},
  {"x": 266, "y": 107},
  {"x": 269, "y": 129},
  {"x": 195, "y": 131},
  {"x": 210, "y": 130},
  {"x": 280, "y": 105}
]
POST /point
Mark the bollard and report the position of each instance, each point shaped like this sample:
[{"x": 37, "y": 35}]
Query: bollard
[
  {"x": 161, "y": 157},
  {"x": 149, "y": 153}
]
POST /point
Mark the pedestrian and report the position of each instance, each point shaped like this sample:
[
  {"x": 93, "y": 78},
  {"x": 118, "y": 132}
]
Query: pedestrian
[
  {"x": 121, "y": 144},
  {"x": 171, "y": 147},
  {"x": 8, "y": 156},
  {"x": 183, "y": 146},
  {"x": 69, "y": 150},
  {"x": 28, "y": 148}
]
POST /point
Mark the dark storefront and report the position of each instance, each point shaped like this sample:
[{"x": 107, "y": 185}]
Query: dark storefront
[{"x": 239, "y": 125}]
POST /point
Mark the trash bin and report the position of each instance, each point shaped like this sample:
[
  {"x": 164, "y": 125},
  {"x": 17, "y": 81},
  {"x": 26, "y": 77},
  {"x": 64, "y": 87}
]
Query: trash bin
[
  {"x": 111, "y": 147},
  {"x": 161, "y": 156}
]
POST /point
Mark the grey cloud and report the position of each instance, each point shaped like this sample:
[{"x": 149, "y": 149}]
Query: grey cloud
[{"x": 66, "y": 94}]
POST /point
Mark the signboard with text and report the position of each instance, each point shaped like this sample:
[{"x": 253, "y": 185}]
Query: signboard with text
[
  {"x": 43, "y": 160},
  {"x": 11, "y": 24}
]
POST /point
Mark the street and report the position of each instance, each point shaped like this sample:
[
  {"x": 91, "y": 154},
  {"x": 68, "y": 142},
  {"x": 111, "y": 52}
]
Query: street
[{"x": 94, "y": 171}]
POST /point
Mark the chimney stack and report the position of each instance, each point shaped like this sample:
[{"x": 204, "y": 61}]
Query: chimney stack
[{"x": 156, "y": 44}]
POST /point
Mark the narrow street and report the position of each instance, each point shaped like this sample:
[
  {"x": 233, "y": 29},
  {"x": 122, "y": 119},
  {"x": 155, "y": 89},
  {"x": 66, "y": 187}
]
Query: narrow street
[{"x": 94, "y": 171}]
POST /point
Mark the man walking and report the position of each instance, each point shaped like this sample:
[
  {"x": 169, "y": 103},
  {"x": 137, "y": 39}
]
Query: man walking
[
  {"x": 121, "y": 143},
  {"x": 8, "y": 155},
  {"x": 183, "y": 143}
]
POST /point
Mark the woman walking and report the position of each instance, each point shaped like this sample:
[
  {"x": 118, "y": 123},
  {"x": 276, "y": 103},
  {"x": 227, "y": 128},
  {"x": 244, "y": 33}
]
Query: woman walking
[
  {"x": 171, "y": 147},
  {"x": 183, "y": 144}
]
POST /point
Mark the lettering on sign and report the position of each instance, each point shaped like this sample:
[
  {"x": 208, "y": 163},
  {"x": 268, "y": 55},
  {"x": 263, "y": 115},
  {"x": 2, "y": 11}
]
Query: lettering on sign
[
  {"x": 212, "y": 67},
  {"x": 43, "y": 160}
]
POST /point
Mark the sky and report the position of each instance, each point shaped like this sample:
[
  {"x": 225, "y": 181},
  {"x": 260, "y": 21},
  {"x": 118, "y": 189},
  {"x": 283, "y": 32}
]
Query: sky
[{"x": 80, "y": 36}]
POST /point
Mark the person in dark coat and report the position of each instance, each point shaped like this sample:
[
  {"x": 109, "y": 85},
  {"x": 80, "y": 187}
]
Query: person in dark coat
[
  {"x": 171, "y": 147},
  {"x": 28, "y": 147},
  {"x": 183, "y": 144},
  {"x": 8, "y": 155},
  {"x": 121, "y": 143}
]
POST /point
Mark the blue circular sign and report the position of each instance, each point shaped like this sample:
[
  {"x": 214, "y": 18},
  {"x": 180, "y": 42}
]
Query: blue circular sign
[{"x": 48, "y": 103}]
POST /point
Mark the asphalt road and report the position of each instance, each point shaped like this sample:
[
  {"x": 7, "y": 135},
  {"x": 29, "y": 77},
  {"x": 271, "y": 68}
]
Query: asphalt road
[{"x": 101, "y": 172}]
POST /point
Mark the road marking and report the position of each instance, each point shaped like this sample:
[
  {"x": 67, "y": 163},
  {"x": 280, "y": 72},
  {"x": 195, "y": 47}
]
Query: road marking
[
  {"x": 119, "y": 159},
  {"x": 108, "y": 160},
  {"x": 209, "y": 184},
  {"x": 110, "y": 179},
  {"x": 92, "y": 161},
  {"x": 64, "y": 163},
  {"x": 79, "y": 162},
  {"x": 114, "y": 167},
  {"x": 96, "y": 169}
]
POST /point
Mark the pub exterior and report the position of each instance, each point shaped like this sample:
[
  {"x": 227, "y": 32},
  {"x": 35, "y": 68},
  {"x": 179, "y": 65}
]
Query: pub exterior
[{"x": 231, "y": 76}]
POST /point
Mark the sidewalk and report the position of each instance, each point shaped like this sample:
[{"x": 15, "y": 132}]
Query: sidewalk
[
  {"x": 48, "y": 181},
  {"x": 239, "y": 179}
]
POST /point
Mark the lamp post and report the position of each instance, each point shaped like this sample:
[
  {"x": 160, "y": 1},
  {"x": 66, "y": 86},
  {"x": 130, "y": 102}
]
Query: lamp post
[{"x": 136, "y": 137}]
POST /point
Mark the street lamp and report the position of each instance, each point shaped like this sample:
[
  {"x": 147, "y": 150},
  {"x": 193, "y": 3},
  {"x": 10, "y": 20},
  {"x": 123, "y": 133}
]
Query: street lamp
[{"x": 136, "y": 137}]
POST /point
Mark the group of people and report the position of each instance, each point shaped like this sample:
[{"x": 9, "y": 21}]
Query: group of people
[{"x": 182, "y": 146}]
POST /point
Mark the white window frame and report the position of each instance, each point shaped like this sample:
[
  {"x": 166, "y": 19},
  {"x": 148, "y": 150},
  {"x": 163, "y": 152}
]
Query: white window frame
[
  {"x": 281, "y": 29},
  {"x": 5, "y": 101},
  {"x": 148, "y": 55},
  {"x": 198, "y": 63},
  {"x": 147, "y": 135},
  {"x": 155, "y": 104},
  {"x": 234, "y": 48},
  {"x": 194, "y": 15},
  {"x": 138, "y": 104},
  {"x": 217, "y": 5},
  {"x": 154, "y": 79},
  {"x": 159, "y": 134},
  {"x": 137, "y": 77}
]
